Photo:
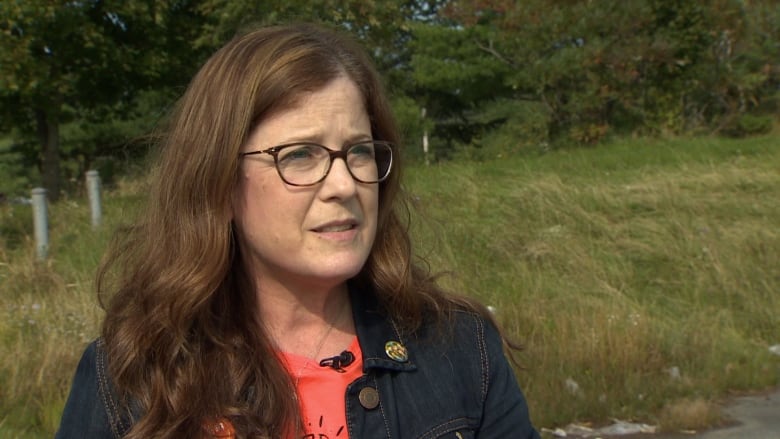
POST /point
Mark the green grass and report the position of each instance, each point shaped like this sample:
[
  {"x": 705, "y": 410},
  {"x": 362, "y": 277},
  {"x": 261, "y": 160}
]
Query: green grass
[
  {"x": 615, "y": 264},
  {"x": 48, "y": 310},
  {"x": 611, "y": 265}
]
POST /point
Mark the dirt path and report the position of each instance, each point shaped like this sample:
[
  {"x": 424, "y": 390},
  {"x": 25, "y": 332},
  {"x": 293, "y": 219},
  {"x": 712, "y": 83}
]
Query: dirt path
[{"x": 755, "y": 417}]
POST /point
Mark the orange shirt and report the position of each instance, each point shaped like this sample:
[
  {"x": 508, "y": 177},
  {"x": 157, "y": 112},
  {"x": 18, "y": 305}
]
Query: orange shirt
[{"x": 321, "y": 393}]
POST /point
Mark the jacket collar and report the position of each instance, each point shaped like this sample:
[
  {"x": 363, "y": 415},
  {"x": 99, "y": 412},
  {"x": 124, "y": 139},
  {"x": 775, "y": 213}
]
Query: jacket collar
[{"x": 374, "y": 330}]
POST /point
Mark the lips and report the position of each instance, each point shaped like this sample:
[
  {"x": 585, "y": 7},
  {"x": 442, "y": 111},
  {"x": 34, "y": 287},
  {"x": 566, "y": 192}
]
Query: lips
[{"x": 337, "y": 226}]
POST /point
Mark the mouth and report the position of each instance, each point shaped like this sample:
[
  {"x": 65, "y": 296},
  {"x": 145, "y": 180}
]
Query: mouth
[{"x": 341, "y": 226}]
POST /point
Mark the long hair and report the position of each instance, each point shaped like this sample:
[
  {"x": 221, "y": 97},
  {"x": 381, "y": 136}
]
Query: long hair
[{"x": 181, "y": 336}]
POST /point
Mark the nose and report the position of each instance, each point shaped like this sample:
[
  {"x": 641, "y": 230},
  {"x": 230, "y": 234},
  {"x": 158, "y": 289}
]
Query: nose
[{"x": 339, "y": 182}]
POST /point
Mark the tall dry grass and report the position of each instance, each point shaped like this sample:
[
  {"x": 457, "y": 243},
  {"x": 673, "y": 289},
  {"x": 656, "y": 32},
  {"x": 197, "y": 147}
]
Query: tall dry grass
[
  {"x": 48, "y": 309},
  {"x": 644, "y": 273},
  {"x": 642, "y": 277}
]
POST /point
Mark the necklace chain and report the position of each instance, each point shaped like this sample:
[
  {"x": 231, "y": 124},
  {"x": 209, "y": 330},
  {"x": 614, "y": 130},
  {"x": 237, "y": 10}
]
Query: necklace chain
[{"x": 320, "y": 344}]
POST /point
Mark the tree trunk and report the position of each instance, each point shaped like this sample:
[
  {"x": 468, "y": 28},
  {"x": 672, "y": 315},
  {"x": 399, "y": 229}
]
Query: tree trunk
[{"x": 49, "y": 137}]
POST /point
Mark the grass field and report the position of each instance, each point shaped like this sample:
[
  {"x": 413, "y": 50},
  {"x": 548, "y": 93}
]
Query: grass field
[{"x": 646, "y": 272}]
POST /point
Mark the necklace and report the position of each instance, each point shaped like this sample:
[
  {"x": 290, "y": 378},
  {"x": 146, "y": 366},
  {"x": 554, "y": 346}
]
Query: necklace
[{"x": 319, "y": 345}]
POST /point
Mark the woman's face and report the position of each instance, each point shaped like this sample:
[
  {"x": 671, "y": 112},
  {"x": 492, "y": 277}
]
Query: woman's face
[{"x": 317, "y": 235}]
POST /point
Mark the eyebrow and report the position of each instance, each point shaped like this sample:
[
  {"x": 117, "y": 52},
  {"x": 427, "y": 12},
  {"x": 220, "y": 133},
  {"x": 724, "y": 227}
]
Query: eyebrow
[{"x": 357, "y": 138}]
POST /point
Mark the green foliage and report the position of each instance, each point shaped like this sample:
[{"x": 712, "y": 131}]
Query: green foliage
[
  {"x": 82, "y": 82},
  {"x": 61, "y": 61},
  {"x": 452, "y": 90},
  {"x": 16, "y": 175},
  {"x": 111, "y": 139},
  {"x": 519, "y": 127},
  {"x": 438, "y": 67},
  {"x": 749, "y": 125},
  {"x": 409, "y": 116},
  {"x": 17, "y": 226},
  {"x": 382, "y": 26},
  {"x": 639, "y": 66}
]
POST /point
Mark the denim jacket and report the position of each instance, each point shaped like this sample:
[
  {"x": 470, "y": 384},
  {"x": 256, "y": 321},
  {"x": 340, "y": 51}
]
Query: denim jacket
[{"x": 445, "y": 384}]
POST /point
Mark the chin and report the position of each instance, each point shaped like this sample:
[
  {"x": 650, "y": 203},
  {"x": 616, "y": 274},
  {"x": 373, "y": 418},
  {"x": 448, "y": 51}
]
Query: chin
[{"x": 341, "y": 273}]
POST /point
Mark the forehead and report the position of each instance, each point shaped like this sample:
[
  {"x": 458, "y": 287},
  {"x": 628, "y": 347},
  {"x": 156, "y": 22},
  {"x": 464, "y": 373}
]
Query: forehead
[
  {"x": 337, "y": 97},
  {"x": 302, "y": 95},
  {"x": 334, "y": 113}
]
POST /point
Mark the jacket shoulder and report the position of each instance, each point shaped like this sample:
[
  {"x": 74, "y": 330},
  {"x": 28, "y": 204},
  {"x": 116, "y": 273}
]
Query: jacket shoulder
[{"x": 92, "y": 409}]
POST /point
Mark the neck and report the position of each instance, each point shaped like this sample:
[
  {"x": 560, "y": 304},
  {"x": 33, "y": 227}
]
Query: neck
[{"x": 310, "y": 324}]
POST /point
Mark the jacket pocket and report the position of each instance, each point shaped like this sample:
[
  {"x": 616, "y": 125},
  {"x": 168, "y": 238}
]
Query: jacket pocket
[
  {"x": 459, "y": 428},
  {"x": 460, "y": 434}
]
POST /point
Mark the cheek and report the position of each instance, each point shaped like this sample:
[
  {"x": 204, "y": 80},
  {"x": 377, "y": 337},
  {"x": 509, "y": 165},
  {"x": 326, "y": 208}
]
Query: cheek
[
  {"x": 247, "y": 203},
  {"x": 239, "y": 195},
  {"x": 270, "y": 210},
  {"x": 372, "y": 202},
  {"x": 371, "y": 211},
  {"x": 238, "y": 206}
]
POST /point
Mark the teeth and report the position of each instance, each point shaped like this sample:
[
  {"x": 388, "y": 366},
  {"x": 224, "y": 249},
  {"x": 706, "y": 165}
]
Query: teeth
[{"x": 339, "y": 228}]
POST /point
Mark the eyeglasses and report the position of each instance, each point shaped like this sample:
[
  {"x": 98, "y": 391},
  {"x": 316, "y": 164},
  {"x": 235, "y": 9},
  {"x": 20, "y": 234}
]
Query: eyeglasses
[{"x": 306, "y": 164}]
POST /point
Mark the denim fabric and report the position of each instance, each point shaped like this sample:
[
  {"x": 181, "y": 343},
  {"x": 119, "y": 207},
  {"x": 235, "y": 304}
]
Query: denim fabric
[
  {"x": 455, "y": 384},
  {"x": 92, "y": 410}
]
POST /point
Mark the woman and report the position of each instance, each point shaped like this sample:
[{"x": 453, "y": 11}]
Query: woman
[{"x": 268, "y": 290}]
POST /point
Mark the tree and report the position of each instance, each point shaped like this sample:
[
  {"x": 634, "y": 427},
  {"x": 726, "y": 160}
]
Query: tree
[
  {"x": 60, "y": 60},
  {"x": 456, "y": 79},
  {"x": 383, "y": 27},
  {"x": 644, "y": 66}
]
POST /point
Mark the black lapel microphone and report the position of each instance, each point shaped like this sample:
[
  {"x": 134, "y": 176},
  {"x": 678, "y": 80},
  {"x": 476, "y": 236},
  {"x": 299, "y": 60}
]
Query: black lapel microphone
[{"x": 339, "y": 362}]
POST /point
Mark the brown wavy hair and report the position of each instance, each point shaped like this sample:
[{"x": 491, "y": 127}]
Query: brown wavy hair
[{"x": 181, "y": 336}]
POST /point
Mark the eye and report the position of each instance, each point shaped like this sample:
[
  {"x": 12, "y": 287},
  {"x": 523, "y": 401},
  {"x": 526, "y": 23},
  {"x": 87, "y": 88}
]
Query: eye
[
  {"x": 299, "y": 153},
  {"x": 362, "y": 150}
]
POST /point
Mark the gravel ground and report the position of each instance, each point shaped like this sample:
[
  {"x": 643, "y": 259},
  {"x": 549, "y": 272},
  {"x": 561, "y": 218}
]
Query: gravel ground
[{"x": 752, "y": 417}]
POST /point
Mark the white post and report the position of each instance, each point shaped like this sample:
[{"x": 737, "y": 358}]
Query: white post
[
  {"x": 425, "y": 138},
  {"x": 93, "y": 192},
  {"x": 40, "y": 222}
]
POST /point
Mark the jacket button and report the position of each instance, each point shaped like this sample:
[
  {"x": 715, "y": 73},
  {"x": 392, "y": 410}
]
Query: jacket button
[{"x": 369, "y": 398}]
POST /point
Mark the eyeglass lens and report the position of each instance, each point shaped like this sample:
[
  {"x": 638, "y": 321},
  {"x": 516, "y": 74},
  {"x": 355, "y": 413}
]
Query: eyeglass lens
[{"x": 308, "y": 164}]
